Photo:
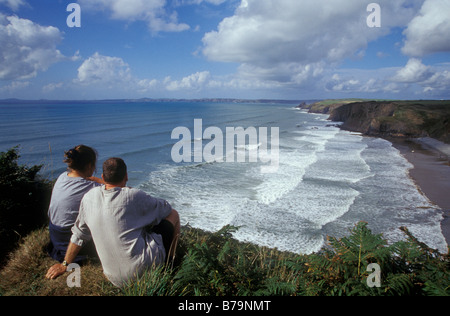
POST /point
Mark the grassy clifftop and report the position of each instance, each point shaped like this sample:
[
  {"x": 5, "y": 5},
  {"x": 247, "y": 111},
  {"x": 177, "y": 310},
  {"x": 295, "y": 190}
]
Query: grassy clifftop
[
  {"x": 390, "y": 118},
  {"x": 215, "y": 264}
]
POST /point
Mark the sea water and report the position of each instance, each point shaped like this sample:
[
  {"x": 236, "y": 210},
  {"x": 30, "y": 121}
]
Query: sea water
[{"x": 327, "y": 179}]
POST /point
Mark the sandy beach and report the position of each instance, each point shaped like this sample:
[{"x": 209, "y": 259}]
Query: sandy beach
[{"x": 431, "y": 172}]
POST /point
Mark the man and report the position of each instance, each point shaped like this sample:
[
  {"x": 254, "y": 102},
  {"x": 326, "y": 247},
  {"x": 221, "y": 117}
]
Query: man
[{"x": 131, "y": 230}]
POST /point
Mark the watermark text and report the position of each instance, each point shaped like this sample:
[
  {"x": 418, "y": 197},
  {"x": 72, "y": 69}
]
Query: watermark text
[
  {"x": 74, "y": 278},
  {"x": 74, "y": 18},
  {"x": 237, "y": 145},
  {"x": 374, "y": 18},
  {"x": 374, "y": 279}
]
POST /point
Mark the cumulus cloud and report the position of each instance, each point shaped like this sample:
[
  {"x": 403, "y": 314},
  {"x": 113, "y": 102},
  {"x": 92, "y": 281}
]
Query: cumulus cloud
[
  {"x": 26, "y": 48},
  {"x": 109, "y": 73},
  {"x": 104, "y": 71},
  {"x": 291, "y": 41},
  {"x": 193, "y": 82},
  {"x": 414, "y": 71},
  {"x": 429, "y": 32},
  {"x": 153, "y": 12},
  {"x": 433, "y": 80},
  {"x": 145, "y": 85},
  {"x": 270, "y": 31},
  {"x": 438, "y": 83}
]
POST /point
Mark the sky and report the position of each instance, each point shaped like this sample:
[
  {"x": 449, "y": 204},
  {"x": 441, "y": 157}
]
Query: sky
[{"x": 250, "y": 49}]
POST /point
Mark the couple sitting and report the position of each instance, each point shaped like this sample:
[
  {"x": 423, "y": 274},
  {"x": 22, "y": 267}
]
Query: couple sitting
[{"x": 128, "y": 229}]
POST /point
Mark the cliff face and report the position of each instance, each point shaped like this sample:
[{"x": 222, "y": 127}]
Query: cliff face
[
  {"x": 376, "y": 118},
  {"x": 392, "y": 118}
]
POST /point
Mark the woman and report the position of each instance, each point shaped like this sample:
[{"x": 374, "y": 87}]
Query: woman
[{"x": 67, "y": 194}]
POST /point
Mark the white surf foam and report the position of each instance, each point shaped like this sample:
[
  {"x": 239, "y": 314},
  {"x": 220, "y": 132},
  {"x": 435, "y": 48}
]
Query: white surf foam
[
  {"x": 328, "y": 180},
  {"x": 294, "y": 163}
]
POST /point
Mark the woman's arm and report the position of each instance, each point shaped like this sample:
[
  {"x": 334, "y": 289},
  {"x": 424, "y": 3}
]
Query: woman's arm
[{"x": 97, "y": 180}]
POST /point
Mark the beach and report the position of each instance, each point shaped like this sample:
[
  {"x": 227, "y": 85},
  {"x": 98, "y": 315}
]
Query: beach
[{"x": 431, "y": 172}]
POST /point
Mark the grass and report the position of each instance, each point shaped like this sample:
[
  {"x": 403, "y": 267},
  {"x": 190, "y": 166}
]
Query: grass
[
  {"x": 24, "y": 274},
  {"x": 215, "y": 264}
]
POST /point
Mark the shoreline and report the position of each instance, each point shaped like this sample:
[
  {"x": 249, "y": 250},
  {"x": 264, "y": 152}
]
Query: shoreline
[{"x": 431, "y": 173}]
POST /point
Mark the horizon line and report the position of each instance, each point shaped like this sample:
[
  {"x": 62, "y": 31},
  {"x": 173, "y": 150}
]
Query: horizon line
[{"x": 233, "y": 100}]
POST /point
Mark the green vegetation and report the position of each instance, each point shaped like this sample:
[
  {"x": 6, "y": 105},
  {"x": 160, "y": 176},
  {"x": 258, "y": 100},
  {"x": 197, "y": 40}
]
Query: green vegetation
[
  {"x": 24, "y": 200},
  {"x": 433, "y": 117},
  {"x": 327, "y": 106},
  {"x": 215, "y": 264},
  {"x": 422, "y": 118}
]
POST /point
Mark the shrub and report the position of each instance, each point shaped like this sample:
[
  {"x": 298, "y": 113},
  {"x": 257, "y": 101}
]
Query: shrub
[
  {"x": 24, "y": 200},
  {"x": 407, "y": 267},
  {"x": 214, "y": 264}
]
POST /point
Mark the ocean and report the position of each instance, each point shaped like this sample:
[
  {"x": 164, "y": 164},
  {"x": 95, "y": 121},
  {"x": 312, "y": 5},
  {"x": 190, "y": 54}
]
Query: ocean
[{"x": 327, "y": 179}]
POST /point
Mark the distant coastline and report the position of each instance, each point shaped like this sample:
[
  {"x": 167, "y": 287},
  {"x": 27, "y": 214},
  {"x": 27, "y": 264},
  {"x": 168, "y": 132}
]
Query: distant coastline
[{"x": 150, "y": 100}]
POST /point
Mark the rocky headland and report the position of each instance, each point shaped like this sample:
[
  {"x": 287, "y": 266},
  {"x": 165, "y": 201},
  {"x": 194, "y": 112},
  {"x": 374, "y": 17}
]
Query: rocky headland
[{"x": 404, "y": 119}]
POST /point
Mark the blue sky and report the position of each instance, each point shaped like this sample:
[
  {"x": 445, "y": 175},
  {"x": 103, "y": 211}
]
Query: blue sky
[{"x": 273, "y": 49}]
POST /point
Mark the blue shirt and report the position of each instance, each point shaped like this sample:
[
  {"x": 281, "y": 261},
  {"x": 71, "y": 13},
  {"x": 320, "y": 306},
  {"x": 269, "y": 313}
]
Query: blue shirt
[{"x": 66, "y": 199}]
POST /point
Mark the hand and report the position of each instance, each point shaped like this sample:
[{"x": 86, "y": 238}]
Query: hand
[{"x": 56, "y": 271}]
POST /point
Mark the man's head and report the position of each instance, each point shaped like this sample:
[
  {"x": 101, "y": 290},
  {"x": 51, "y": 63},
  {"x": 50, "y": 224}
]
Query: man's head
[{"x": 115, "y": 172}]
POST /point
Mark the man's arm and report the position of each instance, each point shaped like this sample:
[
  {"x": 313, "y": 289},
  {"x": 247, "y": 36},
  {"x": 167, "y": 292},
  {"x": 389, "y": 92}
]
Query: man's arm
[{"x": 59, "y": 269}]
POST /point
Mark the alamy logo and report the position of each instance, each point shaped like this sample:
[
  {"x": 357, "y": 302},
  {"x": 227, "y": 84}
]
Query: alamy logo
[
  {"x": 74, "y": 18},
  {"x": 233, "y": 147},
  {"x": 74, "y": 278},
  {"x": 374, "y": 279},
  {"x": 374, "y": 19}
]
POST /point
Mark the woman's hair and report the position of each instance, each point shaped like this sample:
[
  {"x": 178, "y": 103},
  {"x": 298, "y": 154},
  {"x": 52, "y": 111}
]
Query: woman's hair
[{"x": 80, "y": 158}]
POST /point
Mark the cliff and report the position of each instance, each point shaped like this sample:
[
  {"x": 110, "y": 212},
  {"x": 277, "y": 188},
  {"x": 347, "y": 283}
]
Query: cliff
[
  {"x": 412, "y": 119},
  {"x": 327, "y": 106}
]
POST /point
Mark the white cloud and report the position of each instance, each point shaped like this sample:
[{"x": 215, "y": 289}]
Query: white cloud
[
  {"x": 361, "y": 82},
  {"x": 273, "y": 31},
  {"x": 146, "y": 85},
  {"x": 13, "y": 4},
  {"x": 195, "y": 81},
  {"x": 429, "y": 32},
  {"x": 153, "y": 12},
  {"x": 26, "y": 48},
  {"x": 103, "y": 70},
  {"x": 438, "y": 83},
  {"x": 291, "y": 41},
  {"x": 112, "y": 74},
  {"x": 414, "y": 71},
  {"x": 430, "y": 80}
]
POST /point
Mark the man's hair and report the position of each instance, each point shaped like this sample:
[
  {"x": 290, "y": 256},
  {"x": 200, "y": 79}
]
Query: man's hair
[{"x": 114, "y": 170}]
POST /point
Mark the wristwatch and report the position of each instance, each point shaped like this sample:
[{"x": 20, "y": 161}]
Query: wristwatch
[{"x": 65, "y": 263}]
